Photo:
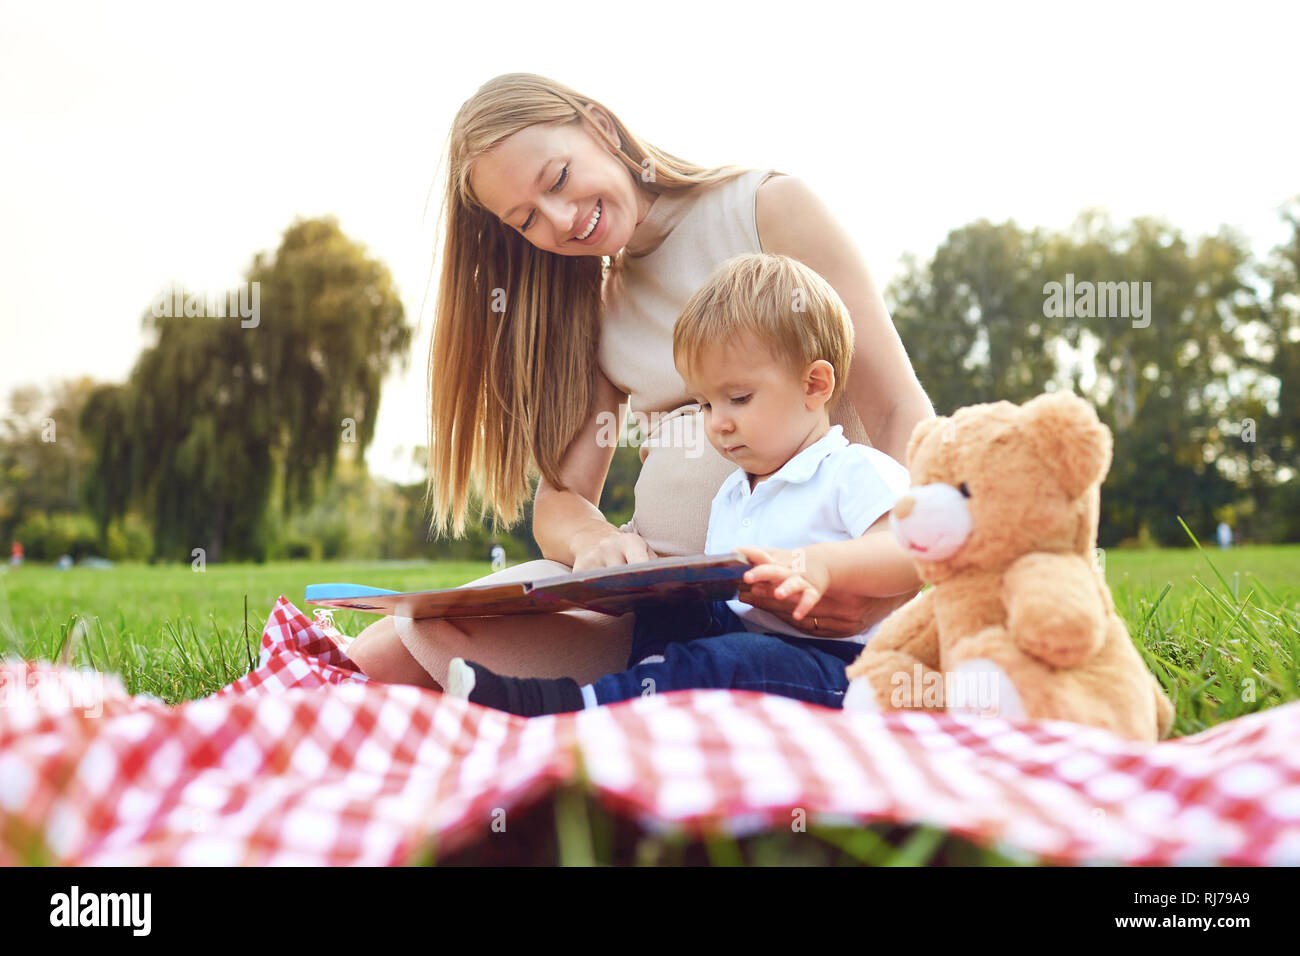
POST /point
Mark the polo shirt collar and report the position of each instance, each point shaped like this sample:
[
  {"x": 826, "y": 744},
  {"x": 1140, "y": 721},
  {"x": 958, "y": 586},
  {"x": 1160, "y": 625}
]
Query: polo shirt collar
[{"x": 799, "y": 468}]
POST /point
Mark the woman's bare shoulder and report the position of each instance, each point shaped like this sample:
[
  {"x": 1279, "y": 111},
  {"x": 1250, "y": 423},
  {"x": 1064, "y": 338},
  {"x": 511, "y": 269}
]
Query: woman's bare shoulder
[{"x": 792, "y": 220}]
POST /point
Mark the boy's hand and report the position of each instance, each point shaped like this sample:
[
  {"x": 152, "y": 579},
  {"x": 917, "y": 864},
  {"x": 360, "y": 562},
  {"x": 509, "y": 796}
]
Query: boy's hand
[{"x": 795, "y": 573}]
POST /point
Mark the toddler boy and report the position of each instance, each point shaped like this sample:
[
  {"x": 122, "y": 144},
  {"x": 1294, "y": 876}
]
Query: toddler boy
[{"x": 764, "y": 348}]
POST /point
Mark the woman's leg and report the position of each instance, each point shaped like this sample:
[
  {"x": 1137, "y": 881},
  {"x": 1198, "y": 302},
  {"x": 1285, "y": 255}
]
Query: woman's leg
[{"x": 583, "y": 645}]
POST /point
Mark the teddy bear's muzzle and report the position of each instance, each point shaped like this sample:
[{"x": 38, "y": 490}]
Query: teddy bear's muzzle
[{"x": 931, "y": 521}]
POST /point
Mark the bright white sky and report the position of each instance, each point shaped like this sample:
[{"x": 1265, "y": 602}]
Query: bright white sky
[{"x": 145, "y": 143}]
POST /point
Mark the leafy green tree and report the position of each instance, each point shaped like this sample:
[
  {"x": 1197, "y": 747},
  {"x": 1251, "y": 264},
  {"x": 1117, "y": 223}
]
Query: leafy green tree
[
  {"x": 43, "y": 456},
  {"x": 217, "y": 408},
  {"x": 980, "y": 324},
  {"x": 972, "y": 317},
  {"x": 335, "y": 327},
  {"x": 1161, "y": 367},
  {"x": 1267, "y": 433}
]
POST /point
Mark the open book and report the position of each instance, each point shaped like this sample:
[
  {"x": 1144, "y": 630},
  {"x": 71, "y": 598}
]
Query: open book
[{"x": 614, "y": 590}]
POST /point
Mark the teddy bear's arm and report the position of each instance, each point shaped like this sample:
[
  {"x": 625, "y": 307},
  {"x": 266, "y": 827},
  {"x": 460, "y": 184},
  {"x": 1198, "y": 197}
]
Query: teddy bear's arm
[
  {"x": 903, "y": 654},
  {"x": 1055, "y": 610},
  {"x": 911, "y": 630}
]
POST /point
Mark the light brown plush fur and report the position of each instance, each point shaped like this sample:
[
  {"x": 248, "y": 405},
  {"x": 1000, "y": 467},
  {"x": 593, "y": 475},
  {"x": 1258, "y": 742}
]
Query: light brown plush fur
[{"x": 1023, "y": 591}]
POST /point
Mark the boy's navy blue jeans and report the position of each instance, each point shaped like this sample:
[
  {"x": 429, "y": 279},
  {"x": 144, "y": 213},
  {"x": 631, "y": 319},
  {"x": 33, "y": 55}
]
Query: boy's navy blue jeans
[{"x": 705, "y": 645}]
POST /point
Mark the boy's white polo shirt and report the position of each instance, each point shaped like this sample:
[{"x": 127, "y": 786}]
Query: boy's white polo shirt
[{"x": 833, "y": 490}]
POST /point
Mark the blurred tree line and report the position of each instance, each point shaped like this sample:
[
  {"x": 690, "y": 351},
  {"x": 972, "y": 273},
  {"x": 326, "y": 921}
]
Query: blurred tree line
[
  {"x": 222, "y": 412},
  {"x": 243, "y": 436},
  {"x": 248, "y": 442}
]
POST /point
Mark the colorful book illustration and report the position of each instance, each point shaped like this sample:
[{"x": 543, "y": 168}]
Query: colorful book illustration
[{"x": 614, "y": 590}]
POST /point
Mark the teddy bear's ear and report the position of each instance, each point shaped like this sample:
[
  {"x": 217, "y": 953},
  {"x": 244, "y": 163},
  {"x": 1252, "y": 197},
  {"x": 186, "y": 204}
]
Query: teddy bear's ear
[
  {"x": 918, "y": 435},
  {"x": 1070, "y": 437}
]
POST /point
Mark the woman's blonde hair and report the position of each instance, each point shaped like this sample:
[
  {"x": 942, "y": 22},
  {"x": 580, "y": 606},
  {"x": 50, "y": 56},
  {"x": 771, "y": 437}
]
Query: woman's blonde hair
[
  {"x": 512, "y": 364},
  {"x": 785, "y": 306}
]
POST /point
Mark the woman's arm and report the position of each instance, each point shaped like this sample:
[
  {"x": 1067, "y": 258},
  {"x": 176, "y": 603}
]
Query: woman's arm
[
  {"x": 568, "y": 525},
  {"x": 882, "y": 385}
]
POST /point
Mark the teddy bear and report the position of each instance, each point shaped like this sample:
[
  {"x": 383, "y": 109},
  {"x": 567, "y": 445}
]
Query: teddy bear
[{"x": 1018, "y": 622}]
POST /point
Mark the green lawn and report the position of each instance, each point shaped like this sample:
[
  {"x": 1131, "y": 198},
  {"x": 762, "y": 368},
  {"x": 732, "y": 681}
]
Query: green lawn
[
  {"x": 180, "y": 634},
  {"x": 175, "y": 632},
  {"x": 1221, "y": 629}
]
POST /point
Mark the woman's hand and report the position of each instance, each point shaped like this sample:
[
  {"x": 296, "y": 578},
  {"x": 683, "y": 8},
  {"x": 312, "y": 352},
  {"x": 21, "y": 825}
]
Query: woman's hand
[
  {"x": 830, "y": 614},
  {"x": 613, "y": 547}
]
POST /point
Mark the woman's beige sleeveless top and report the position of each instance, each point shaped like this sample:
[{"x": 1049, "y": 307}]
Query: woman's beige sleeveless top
[{"x": 682, "y": 240}]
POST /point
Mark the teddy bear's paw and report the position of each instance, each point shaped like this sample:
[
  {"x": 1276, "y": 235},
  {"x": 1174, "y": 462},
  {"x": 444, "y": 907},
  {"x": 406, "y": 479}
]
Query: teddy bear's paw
[
  {"x": 861, "y": 696},
  {"x": 982, "y": 688}
]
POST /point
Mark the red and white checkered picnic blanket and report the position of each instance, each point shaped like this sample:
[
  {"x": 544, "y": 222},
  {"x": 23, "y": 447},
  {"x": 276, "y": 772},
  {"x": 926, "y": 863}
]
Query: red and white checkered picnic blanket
[{"x": 304, "y": 761}]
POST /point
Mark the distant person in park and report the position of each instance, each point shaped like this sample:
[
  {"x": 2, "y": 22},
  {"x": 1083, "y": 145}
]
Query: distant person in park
[
  {"x": 764, "y": 374},
  {"x": 570, "y": 247},
  {"x": 498, "y": 556},
  {"x": 16, "y": 553},
  {"x": 1225, "y": 535}
]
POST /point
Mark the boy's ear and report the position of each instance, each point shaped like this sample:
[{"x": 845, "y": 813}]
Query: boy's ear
[{"x": 819, "y": 380}]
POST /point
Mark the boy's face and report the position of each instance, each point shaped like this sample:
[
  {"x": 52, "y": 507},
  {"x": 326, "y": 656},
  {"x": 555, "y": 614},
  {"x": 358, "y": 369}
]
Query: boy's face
[{"x": 757, "y": 412}]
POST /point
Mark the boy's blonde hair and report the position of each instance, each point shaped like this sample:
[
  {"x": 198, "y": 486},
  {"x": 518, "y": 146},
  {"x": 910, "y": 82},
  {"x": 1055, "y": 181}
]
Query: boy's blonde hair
[{"x": 787, "y": 307}]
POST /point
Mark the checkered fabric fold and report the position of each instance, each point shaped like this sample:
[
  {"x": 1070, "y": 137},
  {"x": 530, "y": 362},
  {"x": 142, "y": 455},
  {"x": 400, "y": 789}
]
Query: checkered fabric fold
[{"x": 305, "y": 761}]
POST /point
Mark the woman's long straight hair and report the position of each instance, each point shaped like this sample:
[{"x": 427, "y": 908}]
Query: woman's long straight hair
[{"x": 512, "y": 364}]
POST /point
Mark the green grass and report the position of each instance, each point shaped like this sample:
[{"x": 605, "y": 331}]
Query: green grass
[
  {"x": 174, "y": 632},
  {"x": 1221, "y": 629}
]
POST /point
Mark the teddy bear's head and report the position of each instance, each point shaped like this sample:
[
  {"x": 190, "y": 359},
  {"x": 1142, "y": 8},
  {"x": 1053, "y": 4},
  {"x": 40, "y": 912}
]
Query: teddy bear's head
[{"x": 997, "y": 481}]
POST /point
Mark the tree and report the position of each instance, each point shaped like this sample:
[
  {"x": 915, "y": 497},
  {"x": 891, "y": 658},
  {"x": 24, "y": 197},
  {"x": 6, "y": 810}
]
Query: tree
[
  {"x": 43, "y": 456},
  {"x": 337, "y": 326},
  {"x": 972, "y": 318},
  {"x": 1162, "y": 368},
  {"x": 216, "y": 408},
  {"x": 1267, "y": 433},
  {"x": 981, "y": 323}
]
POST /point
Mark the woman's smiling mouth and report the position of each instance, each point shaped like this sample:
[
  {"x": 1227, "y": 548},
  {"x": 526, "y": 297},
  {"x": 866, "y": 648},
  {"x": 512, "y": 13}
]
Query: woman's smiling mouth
[{"x": 592, "y": 223}]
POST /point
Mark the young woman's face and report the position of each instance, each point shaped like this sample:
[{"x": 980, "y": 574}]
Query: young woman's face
[{"x": 551, "y": 182}]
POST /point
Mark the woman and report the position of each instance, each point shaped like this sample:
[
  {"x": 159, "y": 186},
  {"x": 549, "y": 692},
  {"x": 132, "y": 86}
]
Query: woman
[{"x": 570, "y": 247}]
